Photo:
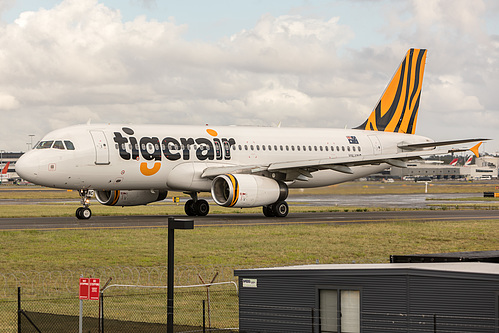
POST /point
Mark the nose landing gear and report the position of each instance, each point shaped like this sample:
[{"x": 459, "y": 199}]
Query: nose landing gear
[{"x": 84, "y": 213}]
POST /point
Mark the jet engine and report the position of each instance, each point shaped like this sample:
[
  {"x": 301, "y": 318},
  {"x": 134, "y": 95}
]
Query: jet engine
[
  {"x": 129, "y": 198},
  {"x": 243, "y": 190}
]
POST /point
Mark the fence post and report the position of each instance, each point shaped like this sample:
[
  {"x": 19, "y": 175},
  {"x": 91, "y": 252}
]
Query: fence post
[
  {"x": 18, "y": 309},
  {"x": 204, "y": 316},
  {"x": 102, "y": 311}
]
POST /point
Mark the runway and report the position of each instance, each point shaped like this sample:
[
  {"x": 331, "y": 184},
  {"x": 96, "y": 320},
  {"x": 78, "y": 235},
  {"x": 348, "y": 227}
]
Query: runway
[{"x": 241, "y": 220}]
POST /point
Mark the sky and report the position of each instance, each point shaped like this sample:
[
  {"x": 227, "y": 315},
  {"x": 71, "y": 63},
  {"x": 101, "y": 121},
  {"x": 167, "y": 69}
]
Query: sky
[{"x": 298, "y": 63}]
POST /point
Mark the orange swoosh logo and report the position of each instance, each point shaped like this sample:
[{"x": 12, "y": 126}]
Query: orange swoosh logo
[{"x": 149, "y": 172}]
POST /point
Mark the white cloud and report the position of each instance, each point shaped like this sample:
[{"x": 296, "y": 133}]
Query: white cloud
[{"x": 82, "y": 60}]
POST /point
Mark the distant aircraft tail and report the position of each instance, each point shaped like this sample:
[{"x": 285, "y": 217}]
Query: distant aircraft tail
[
  {"x": 5, "y": 168},
  {"x": 454, "y": 162},
  {"x": 397, "y": 109},
  {"x": 469, "y": 160}
]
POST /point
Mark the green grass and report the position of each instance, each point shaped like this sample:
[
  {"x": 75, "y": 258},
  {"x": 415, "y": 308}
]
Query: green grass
[{"x": 242, "y": 246}]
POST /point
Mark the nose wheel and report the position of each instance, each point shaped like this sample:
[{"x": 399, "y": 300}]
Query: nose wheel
[{"x": 84, "y": 213}]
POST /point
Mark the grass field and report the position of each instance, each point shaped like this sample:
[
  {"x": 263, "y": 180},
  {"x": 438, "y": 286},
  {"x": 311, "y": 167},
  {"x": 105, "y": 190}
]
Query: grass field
[{"x": 241, "y": 246}]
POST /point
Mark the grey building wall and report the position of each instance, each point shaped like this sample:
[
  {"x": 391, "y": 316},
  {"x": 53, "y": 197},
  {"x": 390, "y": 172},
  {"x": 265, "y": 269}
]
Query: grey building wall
[{"x": 392, "y": 299}]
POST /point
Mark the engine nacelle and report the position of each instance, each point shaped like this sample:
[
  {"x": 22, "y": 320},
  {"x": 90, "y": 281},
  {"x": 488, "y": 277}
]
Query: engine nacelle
[
  {"x": 247, "y": 190},
  {"x": 129, "y": 198}
]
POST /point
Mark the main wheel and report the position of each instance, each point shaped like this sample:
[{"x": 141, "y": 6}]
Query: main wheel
[
  {"x": 202, "y": 207},
  {"x": 189, "y": 208},
  {"x": 280, "y": 209},
  {"x": 268, "y": 211}
]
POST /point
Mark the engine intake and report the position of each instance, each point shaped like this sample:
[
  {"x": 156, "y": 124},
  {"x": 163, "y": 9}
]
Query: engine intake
[
  {"x": 247, "y": 190},
  {"x": 129, "y": 198}
]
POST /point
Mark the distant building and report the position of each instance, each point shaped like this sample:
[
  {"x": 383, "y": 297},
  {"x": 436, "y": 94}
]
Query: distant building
[
  {"x": 486, "y": 167},
  {"x": 6, "y": 157}
]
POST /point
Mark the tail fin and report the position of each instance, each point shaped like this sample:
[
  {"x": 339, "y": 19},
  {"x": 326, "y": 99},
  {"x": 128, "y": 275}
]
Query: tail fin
[
  {"x": 5, "y": 168},
  {"x": 397, "y": 109}
]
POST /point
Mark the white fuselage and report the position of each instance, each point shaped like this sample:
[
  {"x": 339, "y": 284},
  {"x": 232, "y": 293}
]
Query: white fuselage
[{"x": 161, "y": 157}]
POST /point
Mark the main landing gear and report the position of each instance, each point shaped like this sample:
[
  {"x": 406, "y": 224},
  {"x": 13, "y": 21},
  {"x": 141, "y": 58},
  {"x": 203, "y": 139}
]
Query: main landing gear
[
  {"x": 84, "y": 213},
  {"x": 278, "y": 209},
  {"x": 195, "y": 207}
]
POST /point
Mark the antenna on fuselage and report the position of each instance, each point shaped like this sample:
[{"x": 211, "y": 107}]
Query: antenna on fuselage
[{"x": 89, "y": 121}]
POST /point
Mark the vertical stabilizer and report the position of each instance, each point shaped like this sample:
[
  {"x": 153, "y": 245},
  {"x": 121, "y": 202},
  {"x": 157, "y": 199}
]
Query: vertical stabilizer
[{"x": 397, "y": 109}]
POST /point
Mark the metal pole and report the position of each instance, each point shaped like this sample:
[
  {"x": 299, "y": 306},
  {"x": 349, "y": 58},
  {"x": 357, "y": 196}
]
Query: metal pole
[
  {"x": 170, "y": 286},
  {"x": 102, "y": 311},
  {"x": 204, "y": 316},
  {"x": 80, "y": 321},
  {"x": 18, "y": 309}
]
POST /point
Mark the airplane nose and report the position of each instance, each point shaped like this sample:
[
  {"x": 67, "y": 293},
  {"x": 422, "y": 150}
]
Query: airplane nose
[{"x": 27, "y": 168}]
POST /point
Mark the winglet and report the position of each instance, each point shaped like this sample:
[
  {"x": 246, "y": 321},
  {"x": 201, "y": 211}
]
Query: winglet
[
  {"x": 397, "y": 109},
  {"x": 474, "y": 149}
]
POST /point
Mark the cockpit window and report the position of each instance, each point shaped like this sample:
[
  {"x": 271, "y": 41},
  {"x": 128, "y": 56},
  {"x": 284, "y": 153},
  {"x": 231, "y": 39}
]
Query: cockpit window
[
  {"x": 58, "y": 145},
  {"x": 69, "y": 145},
  {"x": 44, "y": 144}
]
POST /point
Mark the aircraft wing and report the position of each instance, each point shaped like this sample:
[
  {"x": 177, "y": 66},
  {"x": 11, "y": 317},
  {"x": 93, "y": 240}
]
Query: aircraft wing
[
  {"x": 305, "y": 167},
  {"x": 438, "y": 143}
]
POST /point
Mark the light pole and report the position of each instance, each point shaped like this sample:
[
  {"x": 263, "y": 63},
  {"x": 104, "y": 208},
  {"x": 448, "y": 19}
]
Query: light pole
[
  {"x": 31, "y": 141},
  {"x": 172, "y": 225}
]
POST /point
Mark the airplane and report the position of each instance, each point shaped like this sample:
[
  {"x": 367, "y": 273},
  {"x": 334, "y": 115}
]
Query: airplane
[
  {"x": 454, "y": 162},
  {"x": 4, "y": 177},
  {"x": 127, "y": 165}
]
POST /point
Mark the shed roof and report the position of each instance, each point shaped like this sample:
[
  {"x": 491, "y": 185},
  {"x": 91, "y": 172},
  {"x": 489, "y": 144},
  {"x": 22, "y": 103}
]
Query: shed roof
[{"x": 401, "y": 268}]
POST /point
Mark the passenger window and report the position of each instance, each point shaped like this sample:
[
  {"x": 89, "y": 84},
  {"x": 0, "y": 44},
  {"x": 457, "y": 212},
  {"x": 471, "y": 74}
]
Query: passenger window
[
  {"x": 275, "y": 147},
  {"x": 359, "y": 148},
  {"x": 353, "y": 148},
  {"x": 263, "y": 147},
  {"x": 69, "y": 145},
  {"x": 348, "y": 148},
  {"x": 343, "y": 148},
  {"x": 287, "y": 147},
  {"x": 320, "y": 148},
  {"x": 298, "y": 148},
  {"x": 315, "y": 148},
  {"x": 270, "y": 147},
  {"x": 304, "y": 148},
  {"x": 310, "y": 148},
  {"x": 252, "y": 147},
  {"x": 293, "y": 148},
  {"x": 337, "y": 148},
  {"x": 257, "y": 147},
  {"x": 281, "y": 148},
  {"x": 327, "y": 148}
]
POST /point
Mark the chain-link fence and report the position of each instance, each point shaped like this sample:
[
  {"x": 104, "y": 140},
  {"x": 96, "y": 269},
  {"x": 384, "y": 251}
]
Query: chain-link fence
[
  {"x": 50, "y": 300},
  {"x": 128, "y": 308}
]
